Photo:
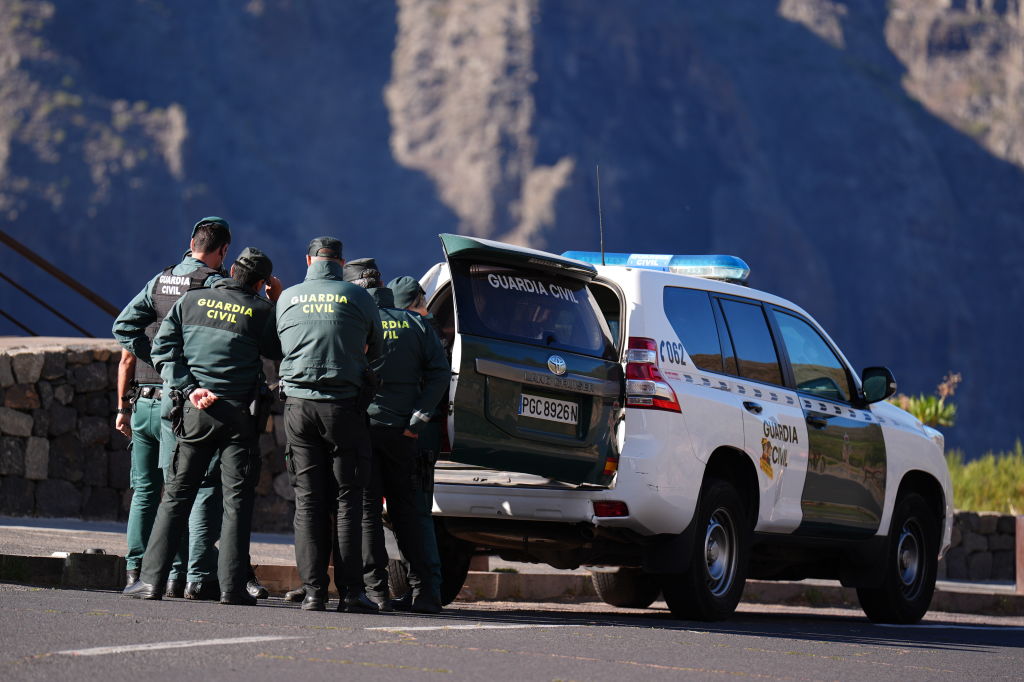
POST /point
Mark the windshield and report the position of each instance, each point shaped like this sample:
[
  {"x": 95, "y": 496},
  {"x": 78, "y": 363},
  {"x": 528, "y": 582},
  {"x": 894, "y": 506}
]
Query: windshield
[{"x": 530, "y": 306}]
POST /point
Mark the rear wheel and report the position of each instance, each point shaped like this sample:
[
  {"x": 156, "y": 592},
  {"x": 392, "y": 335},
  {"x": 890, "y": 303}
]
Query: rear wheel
[
  {"x": 711, "y": 587},
  {"x": 911, "y": 562},
  {"x": 455, "y": 556},
  {"x": 626, "y": 587}
]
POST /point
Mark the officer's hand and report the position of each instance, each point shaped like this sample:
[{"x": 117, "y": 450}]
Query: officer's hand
[
  {"x": 123, "y": 424},
  {"x": 202, "y": 398},
  {"x": 409, "y": 434},
  {"x": 274, "y": 288}
]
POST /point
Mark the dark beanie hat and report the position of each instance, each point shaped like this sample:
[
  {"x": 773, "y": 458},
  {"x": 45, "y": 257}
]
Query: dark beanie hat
[
  {"x": 256, "y": 262},
  {"x": 363, "y": 272},
  {"x": 406, "y": 289}
]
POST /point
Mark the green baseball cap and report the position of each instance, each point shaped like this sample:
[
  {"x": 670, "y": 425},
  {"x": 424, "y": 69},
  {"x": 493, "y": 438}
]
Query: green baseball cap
[
  {"x": 324, "y": 247},
  {"x": 406, "y": 289},
  {"x": 256, "y": 262},
  {"x": 212, "y": 221}
]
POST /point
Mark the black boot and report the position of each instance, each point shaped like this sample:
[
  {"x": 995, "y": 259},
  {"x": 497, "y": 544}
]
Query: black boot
[
  {"x": 175, "y": 588},
  {"x": 202, "y": 590},
  {"x": 357, "y": 602},
  {"x": 313, "y": 602},
  {"x": 298, "y": 594},
  {"x": 237, "y": 599},
  {"x": 403, "y": 603},
  {"x": 256, "y": 590},
  {"x": 141, "y": 590},
  {"x": 131, "y": 577}
]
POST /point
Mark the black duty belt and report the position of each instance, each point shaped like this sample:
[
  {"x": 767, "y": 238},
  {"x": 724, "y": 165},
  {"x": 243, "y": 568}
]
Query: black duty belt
[{"x": 154, "y": 392}]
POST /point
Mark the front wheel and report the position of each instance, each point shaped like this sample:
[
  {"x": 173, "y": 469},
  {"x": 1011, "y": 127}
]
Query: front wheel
[
  {"x": 711, "y": 587},
  {"x": 911, "y": 563}
]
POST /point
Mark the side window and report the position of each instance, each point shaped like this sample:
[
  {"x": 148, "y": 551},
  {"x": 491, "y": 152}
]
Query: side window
[
  {"x": 816, "y": 368},
  {"x": 752, "y": 341},
  {"x": 689, "y": 311},
  {"x": 608, "y": 303}
]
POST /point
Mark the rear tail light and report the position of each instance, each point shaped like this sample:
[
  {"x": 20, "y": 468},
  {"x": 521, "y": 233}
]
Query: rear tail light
[
  {"x": 606, "y": 508},
  {"x": 645, "y": 386}
]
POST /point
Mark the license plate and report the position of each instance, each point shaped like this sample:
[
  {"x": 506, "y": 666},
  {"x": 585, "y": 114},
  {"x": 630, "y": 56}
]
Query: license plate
[{"x": 561, "y": 411}]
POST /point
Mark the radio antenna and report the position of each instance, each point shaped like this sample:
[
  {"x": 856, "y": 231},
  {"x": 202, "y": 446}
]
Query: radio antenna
[{"x": 600, "y": 214}]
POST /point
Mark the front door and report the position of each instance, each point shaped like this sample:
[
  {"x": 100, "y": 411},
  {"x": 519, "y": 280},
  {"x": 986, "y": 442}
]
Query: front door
[{"x": 844, "y": 489}]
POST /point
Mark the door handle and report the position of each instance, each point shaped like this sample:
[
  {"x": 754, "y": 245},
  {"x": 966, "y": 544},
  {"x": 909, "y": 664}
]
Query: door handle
[
  {"x": 752, "y": 407},
  {"x": 817, "y": 422}
]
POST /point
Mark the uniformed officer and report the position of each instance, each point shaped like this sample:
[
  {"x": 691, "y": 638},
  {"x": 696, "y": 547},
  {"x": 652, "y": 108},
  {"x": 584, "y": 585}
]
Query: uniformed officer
[
  {"x": 208, "y": 352},
  {"x": 413, "y": 372},
  {"x": 152, "y": 439},
  {"x": 328, "y": 329},
  {"x": 410, "y": 296}
]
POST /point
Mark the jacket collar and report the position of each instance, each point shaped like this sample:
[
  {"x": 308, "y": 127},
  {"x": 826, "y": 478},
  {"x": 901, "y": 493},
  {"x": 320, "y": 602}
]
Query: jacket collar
[
  {"x": 384, "y": 297},
  {"x": 324, "y": 269}
]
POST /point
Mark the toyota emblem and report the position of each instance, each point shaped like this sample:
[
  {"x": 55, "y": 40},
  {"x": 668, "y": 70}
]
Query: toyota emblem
[{"x": 556, "y": 365}]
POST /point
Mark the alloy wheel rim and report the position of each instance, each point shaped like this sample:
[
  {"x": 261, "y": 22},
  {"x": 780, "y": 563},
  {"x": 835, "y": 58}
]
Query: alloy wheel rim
[
  {"x": 909, "y": 559},
  {"x": 720, "y": 552}
]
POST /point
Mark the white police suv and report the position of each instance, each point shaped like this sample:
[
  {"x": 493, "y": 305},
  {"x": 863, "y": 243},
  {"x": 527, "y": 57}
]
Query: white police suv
[{"x": 676, "y": 431}]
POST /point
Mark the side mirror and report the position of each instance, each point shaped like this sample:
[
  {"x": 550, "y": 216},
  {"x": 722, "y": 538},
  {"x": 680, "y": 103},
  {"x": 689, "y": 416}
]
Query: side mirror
[{"x": 878, "y": 384}]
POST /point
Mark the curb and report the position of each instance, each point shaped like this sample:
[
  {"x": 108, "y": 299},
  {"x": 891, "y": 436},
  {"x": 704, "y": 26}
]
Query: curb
[
  {"x": 106, "y": 572},
  {"x": 80, "y": 571}
]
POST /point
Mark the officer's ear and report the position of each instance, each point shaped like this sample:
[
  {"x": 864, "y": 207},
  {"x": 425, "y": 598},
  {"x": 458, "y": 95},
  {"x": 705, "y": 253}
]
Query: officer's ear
[{"x": 309, "y": 260}]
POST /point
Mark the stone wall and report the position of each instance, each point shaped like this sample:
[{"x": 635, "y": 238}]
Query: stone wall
[
  {"x": 982, "y": 548},
  {"x": 60, "y": 455}
]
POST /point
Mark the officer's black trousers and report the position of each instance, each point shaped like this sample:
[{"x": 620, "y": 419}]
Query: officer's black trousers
[
  {"x": 394, "y": 469},
  {"x": 229, "y": 427},
  {"x": 329, "y": 462}
]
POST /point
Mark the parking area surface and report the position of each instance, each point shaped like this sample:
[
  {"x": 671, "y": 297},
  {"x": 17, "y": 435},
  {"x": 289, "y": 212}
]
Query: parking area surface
[{"x": 51, "y": 634}]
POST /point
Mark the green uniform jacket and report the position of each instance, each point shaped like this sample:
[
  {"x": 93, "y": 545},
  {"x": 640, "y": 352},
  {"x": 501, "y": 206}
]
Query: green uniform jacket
[
  {"x": 130, "y": 325},
  {"x": 329, "y": 328},
  {"x": 213, "y": 338},
  {"x": 413, "y": 370}
]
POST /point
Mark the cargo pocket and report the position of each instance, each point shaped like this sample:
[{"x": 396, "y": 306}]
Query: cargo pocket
[
  {"x": 289, "y": 464},
  {"x": 251, "y": 468}
]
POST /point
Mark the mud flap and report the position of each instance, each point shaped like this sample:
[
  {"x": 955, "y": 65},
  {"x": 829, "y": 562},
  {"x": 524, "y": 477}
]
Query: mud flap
[{"x": 668, "y": 553}]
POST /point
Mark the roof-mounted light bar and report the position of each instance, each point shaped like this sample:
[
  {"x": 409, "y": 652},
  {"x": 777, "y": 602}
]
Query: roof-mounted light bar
[{"x": 725, "y": 268}]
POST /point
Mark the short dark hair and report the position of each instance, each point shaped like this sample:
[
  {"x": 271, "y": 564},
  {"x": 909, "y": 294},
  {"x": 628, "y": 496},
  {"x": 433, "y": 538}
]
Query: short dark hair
[
  {"x": 245, "y": 276},
  {"x": 210, "y": 237}
]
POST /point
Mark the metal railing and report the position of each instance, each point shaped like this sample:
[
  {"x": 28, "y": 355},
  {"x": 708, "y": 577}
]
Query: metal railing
[{"x": 47, "y": 267}]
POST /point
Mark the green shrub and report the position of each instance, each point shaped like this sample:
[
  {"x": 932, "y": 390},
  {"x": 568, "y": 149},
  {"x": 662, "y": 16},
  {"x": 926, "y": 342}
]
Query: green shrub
[
  {"x": 932, "y": 410},
  {"x": 994, "y": 482}
]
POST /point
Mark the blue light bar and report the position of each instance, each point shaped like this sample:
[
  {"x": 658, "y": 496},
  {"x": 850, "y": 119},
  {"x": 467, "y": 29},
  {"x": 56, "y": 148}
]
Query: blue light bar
[{"x": 726, "y": 268}]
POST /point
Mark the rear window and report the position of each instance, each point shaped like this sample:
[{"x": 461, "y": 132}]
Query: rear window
[
  {"x": 690, "y": 314},
  {"x": 755, "y": 351},
  {"x": 534, "y": 307}
]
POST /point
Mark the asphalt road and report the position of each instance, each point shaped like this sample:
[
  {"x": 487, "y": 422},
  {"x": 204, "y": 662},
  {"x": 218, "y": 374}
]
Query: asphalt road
[{"x": 80, "y": 635}]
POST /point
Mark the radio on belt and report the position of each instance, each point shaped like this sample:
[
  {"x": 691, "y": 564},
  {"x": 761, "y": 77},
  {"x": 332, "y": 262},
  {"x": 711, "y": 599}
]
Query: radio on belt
[{"x": 725, "y": 268}]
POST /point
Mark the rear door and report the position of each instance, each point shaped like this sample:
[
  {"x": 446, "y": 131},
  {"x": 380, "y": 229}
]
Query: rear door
[{"x": 538, "y": 387}]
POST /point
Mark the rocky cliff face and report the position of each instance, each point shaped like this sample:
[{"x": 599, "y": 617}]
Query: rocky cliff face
[{"x": 865, "y": 157}]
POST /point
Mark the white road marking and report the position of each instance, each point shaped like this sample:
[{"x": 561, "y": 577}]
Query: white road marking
[
  {"x": 473, "y": 626},
  {"x": 154, "y": 646},
  {"x": 953, "y": 626}
]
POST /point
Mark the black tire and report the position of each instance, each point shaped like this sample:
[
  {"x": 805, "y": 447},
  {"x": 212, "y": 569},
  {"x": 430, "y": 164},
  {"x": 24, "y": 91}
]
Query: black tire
[
  {"x": 911, "y": 563},
  {"x": 711, "y": 587},
  {"x": 626, "y": 587},
  {"x": 398, "y": 578},
  {"x": 455, "y": 557}
]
